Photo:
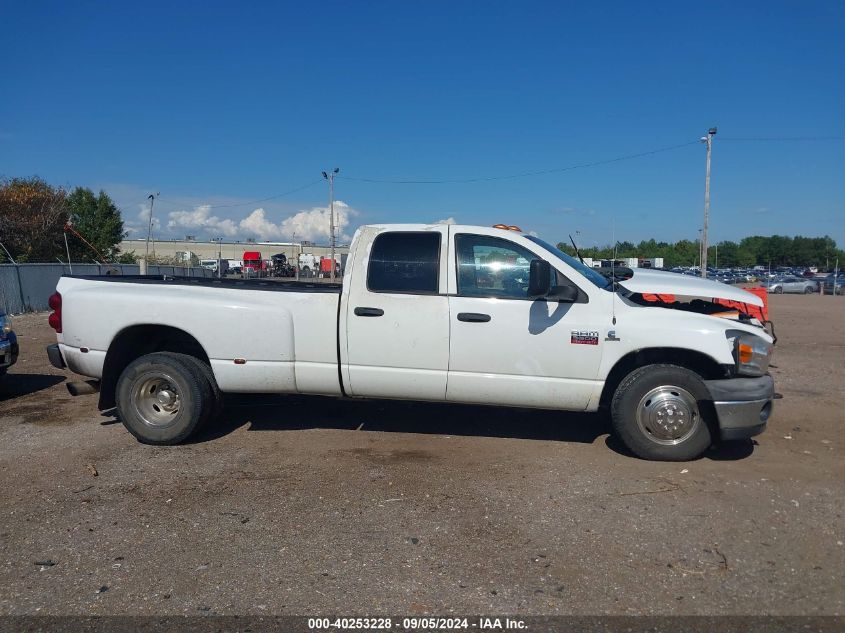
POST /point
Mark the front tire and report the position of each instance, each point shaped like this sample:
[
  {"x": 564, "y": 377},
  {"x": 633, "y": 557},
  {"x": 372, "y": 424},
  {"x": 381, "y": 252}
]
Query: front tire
[
  {"x": 162, "y": 399},
  {"x": 657, "y": 413}
]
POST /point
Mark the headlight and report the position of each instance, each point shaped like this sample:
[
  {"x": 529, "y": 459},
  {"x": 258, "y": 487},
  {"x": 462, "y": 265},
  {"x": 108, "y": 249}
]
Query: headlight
[
  {"x": 752, "y": 355},
  {"x": 5, "y": 325}
]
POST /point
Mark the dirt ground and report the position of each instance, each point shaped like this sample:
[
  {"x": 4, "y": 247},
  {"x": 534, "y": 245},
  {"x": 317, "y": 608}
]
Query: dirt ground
[{"x": 315, "y": 505}]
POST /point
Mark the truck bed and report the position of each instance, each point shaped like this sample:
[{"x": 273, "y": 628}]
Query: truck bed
[
  {"x": 258, "y": 335},
  {"x": 235, "y": 284}
]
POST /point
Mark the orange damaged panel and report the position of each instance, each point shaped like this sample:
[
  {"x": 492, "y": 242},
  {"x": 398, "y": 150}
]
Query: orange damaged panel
[
  {"x": 759, "y": 313},
  {"x": 662, "y": 298}
]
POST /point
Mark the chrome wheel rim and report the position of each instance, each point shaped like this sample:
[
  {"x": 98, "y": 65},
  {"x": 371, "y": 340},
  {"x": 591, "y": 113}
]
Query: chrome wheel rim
[
  {"x": 156, "y": 399},
  {"x": 668, "y": 415}
]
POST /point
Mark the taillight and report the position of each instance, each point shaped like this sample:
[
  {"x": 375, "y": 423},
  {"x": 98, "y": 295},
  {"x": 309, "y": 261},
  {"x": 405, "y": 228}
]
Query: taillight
[{"x": 55, "y": 319}]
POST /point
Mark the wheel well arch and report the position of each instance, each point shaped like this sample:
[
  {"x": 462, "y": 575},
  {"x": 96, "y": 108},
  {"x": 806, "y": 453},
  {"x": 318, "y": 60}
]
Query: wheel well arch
[
  {"x": 136, "y": 341},
  {"x": 702, "y": 364}
]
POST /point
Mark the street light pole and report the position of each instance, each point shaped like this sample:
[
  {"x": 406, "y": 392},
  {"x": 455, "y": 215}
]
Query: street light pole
[
  {"x": 330, "y": 177},
  {"x": 709, "y": 141},
  {"x": 152, "y": 198}
]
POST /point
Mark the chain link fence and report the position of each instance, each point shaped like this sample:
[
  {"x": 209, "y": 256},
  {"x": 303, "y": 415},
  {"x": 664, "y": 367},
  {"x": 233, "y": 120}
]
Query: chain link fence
[{"x": 26, "y": 287}]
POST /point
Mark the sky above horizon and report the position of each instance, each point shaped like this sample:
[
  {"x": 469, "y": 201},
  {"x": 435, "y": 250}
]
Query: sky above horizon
[{"x": 222, "y": 107}]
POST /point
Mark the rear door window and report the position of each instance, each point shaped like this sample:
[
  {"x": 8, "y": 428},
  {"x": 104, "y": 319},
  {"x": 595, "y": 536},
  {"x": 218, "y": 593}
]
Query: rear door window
[{"x": 405, "y": 262}]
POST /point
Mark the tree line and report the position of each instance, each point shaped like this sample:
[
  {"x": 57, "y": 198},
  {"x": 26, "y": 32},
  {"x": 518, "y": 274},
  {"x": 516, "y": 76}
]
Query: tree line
[
  {"x": 35, "y": 216},
  {"x": 756, "y": 250}
]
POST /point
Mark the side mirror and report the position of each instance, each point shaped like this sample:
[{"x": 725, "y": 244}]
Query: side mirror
[
  {"x": 563, "y": 294},
  {"x": 539, "y": 278}
]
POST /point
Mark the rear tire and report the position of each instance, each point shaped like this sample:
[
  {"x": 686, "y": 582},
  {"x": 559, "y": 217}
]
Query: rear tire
[
  {"x": 779, "y": 290},
  {"x": 205, "y": 371},
  {"x": 657, "y": 412},
  {"x": 163, "y": 399}
]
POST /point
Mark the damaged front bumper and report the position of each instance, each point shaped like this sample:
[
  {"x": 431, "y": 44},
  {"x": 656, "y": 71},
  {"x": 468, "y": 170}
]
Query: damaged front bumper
[{"x": 743, "y": 405}]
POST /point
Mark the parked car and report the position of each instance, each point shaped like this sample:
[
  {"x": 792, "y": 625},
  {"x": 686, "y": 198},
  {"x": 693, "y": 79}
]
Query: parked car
[
  {"x": 440, "y": 312},
  {"x": 215, "y": 264},
  {"x": 834, "y": 288},
  {"x": 8, "y": 344},
  {"x": 798, "y": 285}
]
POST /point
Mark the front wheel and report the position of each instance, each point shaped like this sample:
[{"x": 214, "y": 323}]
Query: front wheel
[
  {"x": 162, "y": 399},
  {"x": 657, "y": 413},
  {"x": 808, "y": 290}
]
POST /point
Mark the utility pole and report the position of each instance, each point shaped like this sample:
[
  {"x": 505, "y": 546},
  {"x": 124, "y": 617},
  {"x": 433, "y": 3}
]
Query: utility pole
[
  {"x": 296, "y": 266},
  {"x": 219, "y": 257},
  {"x": 151, "y": 198},
  {"x": 330, "y": 177},
  {"x": 699, "y": 248},
  {"x": 709, "y": 141}
]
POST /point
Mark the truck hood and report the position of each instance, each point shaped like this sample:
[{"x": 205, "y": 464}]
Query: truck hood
[{"x": 661, "y": 282}]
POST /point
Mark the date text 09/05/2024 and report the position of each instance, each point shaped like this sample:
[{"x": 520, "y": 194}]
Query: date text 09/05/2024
[{"x": 417, "y": 623}]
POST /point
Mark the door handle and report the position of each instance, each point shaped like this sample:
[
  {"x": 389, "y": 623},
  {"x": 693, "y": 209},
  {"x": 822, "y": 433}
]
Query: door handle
[
  {"x": 473, "y": 317},
  {"x": 369, "y": 312}
]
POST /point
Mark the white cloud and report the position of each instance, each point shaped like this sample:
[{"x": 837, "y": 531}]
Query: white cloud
[
  {"x": 313, "y": 224},
  {"x": 200, "y": 219},
  {"x": 144, "y": 218},
  {"x": 449, "y": 220},
  {"x": 258, "y": 226},
  {"x": 308, "y": 224}
]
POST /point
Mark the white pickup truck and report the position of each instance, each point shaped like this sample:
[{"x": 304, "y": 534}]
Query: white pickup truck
[{"x": 429, "y": 312}]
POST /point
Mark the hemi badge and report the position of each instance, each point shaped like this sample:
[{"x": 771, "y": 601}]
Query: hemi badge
[{"x": 584, "y": 337}]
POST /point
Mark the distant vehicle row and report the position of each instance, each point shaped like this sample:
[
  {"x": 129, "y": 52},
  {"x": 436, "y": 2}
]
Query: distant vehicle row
[{"x": 254, "y": 265}]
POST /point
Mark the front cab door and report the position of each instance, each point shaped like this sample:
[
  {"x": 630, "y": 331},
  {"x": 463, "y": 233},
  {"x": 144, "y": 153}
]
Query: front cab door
[{"x": 508, "y": 349}]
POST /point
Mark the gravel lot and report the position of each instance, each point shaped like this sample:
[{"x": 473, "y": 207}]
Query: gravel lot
[{"x": 314, "y": 505}]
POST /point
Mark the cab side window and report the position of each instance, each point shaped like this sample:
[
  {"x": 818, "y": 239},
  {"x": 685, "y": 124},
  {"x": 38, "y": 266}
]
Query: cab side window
[
  {"x": 405, "y": 262},
  {"x": 493, "y": 267}
]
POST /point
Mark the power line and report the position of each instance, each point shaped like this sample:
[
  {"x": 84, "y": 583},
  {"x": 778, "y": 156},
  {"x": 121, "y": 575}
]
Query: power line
[
  {"x": 175, "y": 202},
  {"x": 519, "y": 175},
  {"x": 783, "y": 138}
]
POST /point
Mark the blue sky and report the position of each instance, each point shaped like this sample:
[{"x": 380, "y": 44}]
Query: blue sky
[{"x": 225, "y": 103}]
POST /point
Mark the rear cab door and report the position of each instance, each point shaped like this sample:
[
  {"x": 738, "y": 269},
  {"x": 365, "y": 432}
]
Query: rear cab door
[{"x": 394, "y": 321}]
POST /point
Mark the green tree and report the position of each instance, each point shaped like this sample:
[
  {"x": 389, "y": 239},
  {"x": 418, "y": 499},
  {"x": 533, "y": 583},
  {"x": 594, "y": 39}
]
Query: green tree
[{"x": 97, "y": 219}]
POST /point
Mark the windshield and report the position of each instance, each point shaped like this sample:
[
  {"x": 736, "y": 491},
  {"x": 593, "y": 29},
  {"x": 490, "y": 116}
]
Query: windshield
[{"x": 590, "y": 273}]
